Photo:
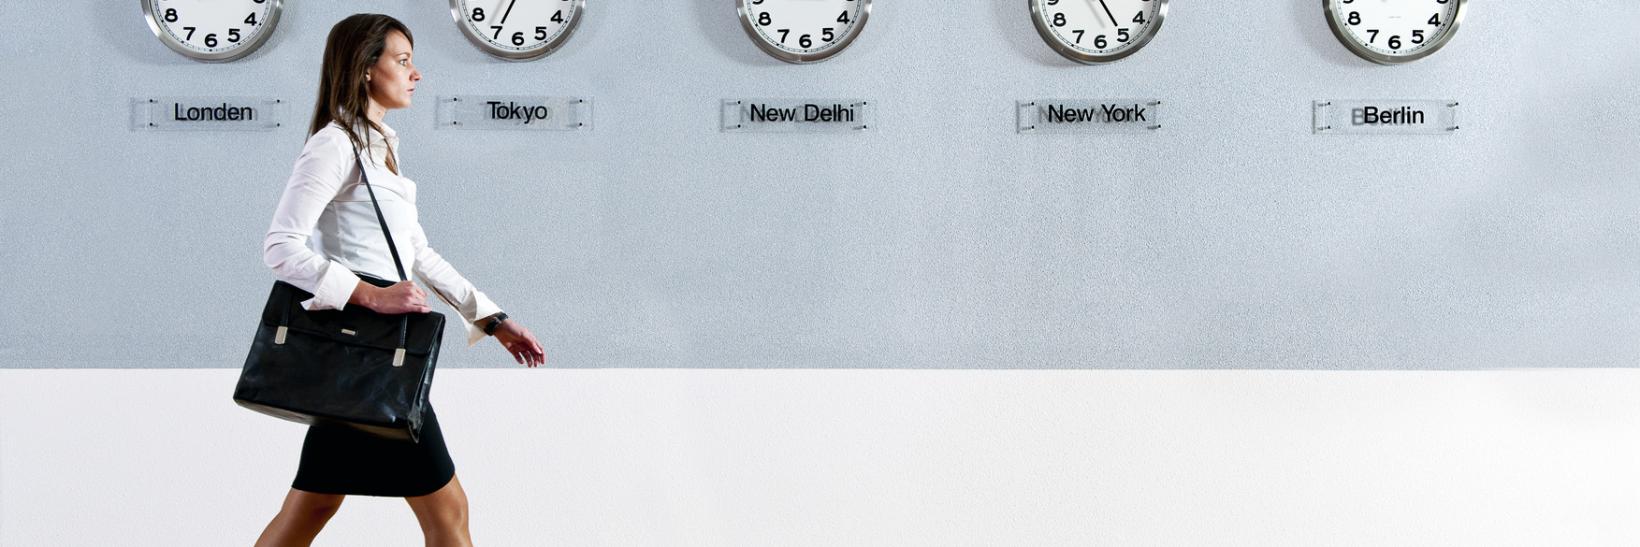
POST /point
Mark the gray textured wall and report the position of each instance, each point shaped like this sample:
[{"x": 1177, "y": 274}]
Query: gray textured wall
[{"x": 1231, "y": 239}]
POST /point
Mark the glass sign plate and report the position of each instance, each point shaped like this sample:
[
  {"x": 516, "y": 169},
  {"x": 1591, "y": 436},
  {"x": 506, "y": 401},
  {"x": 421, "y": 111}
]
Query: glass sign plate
[
  {"x": 1088, "y": 115},
  {"x": 207, "y": 113},
  {"x": 797, "y": 115},
  {"x": 1385, "y": 117},
  {"x": 520, "y": 112}
]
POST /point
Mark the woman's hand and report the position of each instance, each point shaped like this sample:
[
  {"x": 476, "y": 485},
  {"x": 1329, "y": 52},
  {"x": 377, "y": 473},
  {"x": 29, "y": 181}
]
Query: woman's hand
[
  {"x": 520, "y": 343},
  {"x": 401, "y": 297}
]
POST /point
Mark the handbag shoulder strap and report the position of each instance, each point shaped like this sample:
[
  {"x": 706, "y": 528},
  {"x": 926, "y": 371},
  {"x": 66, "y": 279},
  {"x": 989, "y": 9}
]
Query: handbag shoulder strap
[
  {"x": 404, "y": 319},
  {"x": 379, "y": 218}
]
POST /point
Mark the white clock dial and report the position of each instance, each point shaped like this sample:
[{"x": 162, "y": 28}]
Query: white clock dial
[
  {"x": 1394, "y": 31},
  {"x": 1097, "y": 31},
  {"x": 212, "y": 30},
  {"x": 517, "y": 29},
  {"x": 803, "y": 31}
]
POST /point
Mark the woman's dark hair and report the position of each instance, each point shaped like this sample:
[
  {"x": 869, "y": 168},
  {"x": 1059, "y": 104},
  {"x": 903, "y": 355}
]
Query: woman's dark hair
[{"x": 354, "y": 45}]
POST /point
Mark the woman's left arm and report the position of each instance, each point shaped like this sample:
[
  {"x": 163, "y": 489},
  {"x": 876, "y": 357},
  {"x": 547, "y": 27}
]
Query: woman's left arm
[{"x": 475, "y": 308}]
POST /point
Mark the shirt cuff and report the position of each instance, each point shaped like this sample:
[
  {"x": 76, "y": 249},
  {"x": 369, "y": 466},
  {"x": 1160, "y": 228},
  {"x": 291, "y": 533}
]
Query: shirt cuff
[
  {"x": 482, "y": 308},
  {"x": 335, "y": 287}
]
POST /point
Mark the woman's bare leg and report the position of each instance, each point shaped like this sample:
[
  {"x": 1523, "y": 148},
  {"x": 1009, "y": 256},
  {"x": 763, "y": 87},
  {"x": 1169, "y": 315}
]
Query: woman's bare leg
[
  {"x": 443, "y": 516},
  {"x": 300, "y": 519}
]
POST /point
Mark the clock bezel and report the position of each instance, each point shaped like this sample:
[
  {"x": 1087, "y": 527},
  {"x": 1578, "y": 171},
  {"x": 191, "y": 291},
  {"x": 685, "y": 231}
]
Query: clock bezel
[
  {"x": 245, "y": 48},
  {"x": 577, "y": 11},
  {"x": 1039, "y": 21},
  {"x": 750, "y": 26},
  {"x": 1361, "y": 51}
]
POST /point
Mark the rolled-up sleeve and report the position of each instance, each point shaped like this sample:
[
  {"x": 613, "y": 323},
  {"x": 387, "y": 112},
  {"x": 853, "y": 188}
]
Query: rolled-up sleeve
[
  {"x": 450, "y": 286},
  {"x": 318, "y": 176}
]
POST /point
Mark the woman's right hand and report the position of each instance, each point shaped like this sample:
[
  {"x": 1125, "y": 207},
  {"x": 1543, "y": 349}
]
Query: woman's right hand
[{"x": 401, "y": 297}]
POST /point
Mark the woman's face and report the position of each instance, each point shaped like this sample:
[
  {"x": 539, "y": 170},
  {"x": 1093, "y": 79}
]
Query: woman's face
[{"x": 393, "y": 78}]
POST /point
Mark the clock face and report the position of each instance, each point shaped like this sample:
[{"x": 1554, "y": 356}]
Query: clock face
[
  {"x": 1394, "y": 31},
  {"x": 517, "y": 29},
  {"x": 1097, "y": 31},
  {"x": 212, "y": 30},
  {"x": 803, "y": 31}
]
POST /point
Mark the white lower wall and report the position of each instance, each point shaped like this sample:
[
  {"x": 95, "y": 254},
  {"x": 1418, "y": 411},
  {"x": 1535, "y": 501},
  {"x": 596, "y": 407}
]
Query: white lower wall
[{"x": 868, "y": 457}]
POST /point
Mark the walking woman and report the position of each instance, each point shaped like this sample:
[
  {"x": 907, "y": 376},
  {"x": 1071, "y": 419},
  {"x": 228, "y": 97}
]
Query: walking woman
[{"x": 368, "y": 69}]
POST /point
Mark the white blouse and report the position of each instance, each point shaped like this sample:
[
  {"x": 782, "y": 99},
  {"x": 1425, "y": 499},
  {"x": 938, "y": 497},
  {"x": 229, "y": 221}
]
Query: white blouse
[{"x": 326, "y": 199}]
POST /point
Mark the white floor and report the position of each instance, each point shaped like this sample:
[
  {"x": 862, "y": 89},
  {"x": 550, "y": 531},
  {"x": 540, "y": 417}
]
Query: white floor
[{"x": 864, "y": 457}]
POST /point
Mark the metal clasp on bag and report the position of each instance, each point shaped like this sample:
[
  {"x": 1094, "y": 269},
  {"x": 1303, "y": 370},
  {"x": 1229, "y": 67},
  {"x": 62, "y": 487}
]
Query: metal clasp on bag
[
  {"x": 279, "y": 335},
  {"x": 398, "y": 357}
]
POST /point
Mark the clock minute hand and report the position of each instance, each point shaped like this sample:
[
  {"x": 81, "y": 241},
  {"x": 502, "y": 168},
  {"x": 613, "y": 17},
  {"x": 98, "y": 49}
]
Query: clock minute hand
[
  {"x": 1107, "y": 14},
  {"x": 508, "y": 12}
]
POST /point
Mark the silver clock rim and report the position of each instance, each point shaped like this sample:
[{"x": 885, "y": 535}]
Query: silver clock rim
[
  {"x": 1376, "y": 57},
  {"x": 269, "y": 26},
  {"x": 576, "y": 11},
  {"x": 750, "y": 27},
  {"x": 1084, "y": 58}
]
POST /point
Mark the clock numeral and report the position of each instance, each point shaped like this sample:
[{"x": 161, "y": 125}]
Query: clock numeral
[
  {"x": 1059, "y": 19},
  {"x": 1395, "y": 42},
  {"x": 478, "y": 14},
  {"x": 210, "y": 40},
  {"x": 1355, "y": 18},
  {"x": 783, "y": 32},
  {"x": 170, "y": 15},
  {"x": 826, "y": 35},
  {"x": 251, "y": 19},
  {"x": 260, "y": 1},
  {"x": 558, "y": 16},
  {"x": 233, "y": 35},
  {"x": 518, "y": 38},
  {"x": 540, "y": 33},
  {"x": 1435, "y": 19},
  {"x": 843, "y": 18},
  {"x": 1122, "y": 35},
  {"x": 1099, "y": 42},
  {"x": 1053, "y": 2},
  {"x": 497, "y": 35},
  {"x": 1078, "y": 34},
  {"x": 1417, "y": 36},
  {"x": 1139, "y": 18},
  {"x": 764, "y": 19},
  {"x": 804, "y": 42},
  {"x": 1374, "y": 35},
  {"x": 190, "y": 35}
]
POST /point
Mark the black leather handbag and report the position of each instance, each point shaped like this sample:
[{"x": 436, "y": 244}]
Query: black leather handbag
[{"x": 351, "y": 367}]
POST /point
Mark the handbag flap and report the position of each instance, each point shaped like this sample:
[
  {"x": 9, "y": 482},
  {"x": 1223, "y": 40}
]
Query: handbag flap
[{"x": 354, "y": 325}]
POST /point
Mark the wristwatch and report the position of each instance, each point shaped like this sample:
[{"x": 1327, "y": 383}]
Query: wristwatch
[{"x": 493, "y": 322}]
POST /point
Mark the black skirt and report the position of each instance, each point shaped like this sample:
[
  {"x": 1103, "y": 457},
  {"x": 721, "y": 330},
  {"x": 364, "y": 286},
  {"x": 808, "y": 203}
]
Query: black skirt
[
  {"x": 342, "y": 460},
  {"x": 338, "y": 459}
]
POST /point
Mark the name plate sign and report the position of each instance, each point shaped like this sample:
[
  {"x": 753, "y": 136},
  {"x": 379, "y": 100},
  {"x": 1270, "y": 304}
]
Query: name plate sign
[
  {"x": 1088, "y": 115},
  {"x": 207, "y": 113},
  {"x": 1386, "y": 116},
  {"x": 797, "y": 115},
  {"x": 521, "y": 112}
]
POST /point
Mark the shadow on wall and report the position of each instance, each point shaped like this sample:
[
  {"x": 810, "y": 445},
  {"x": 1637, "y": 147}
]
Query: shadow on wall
[{"x": 721, "y": 25}]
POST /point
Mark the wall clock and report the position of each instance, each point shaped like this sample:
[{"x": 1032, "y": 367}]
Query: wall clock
[
  {"x": 1097, "y": 31},
  {"x": 212, "y": 30},
  {"x": 517, "y": 30},
  {"x": 803, "y": 31},
  {"x": 1394, "y": 31}
]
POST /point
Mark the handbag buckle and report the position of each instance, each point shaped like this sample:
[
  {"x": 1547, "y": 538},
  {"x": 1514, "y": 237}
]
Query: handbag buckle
[
  {"x": 279, "y": 335},
  {"x": 398, "y": 357}
]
